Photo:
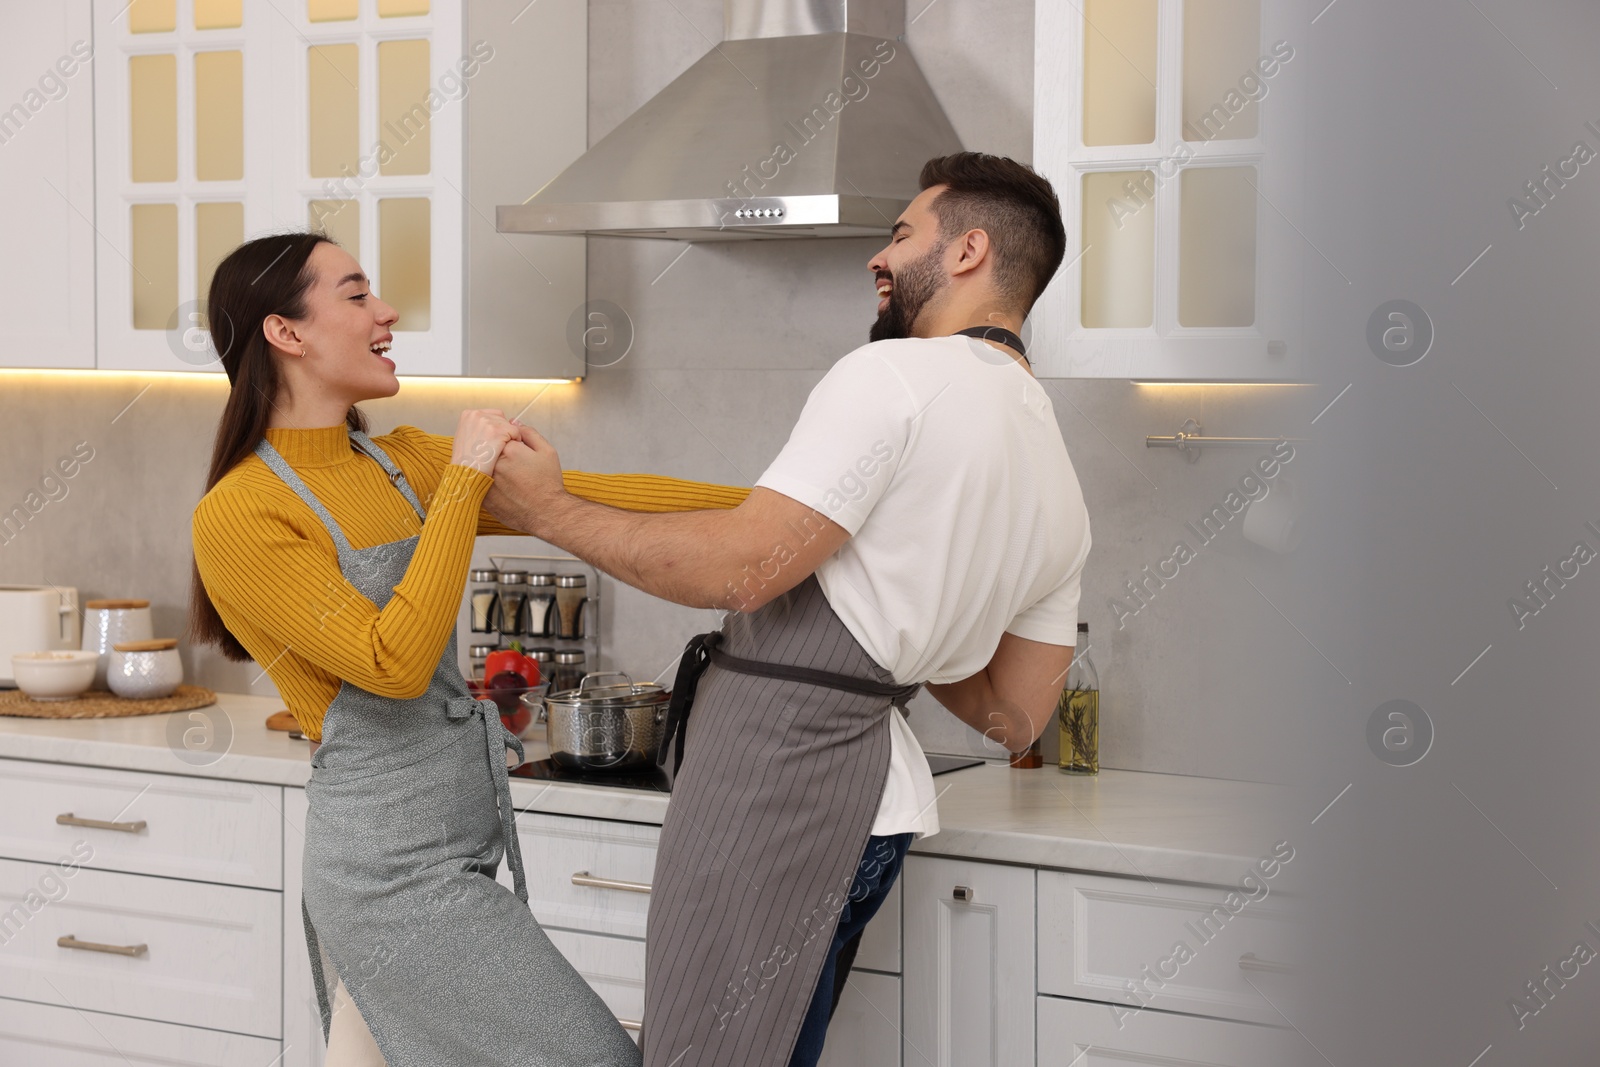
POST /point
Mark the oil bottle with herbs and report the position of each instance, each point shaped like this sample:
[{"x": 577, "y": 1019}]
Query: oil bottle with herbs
[{"x": 1078, "y": 712}]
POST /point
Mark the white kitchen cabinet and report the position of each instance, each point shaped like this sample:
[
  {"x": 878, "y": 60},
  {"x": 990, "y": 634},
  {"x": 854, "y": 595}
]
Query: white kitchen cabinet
[
  {"x": 38, "y": 1034},
  {"x": 174, "y": 951},
  {"x": 1170, "y": 132},
  {"x": 396, "y": 133},
  {"x": 1082, "y": 1034},
  {"x": 865, "y": 1031},
  {"x": 1178, "y": 947},
  {"x": 161, "y": 824},
  {"x": 613, "y": 967},
  {"x": 880, "y": 942},
  {"x": 47, "y": 174},
  {"x": 303, "y": 1044},
  {"x": 969, "y": 963},
  {"x": 590, "y": 875},
  {"x": 998, "y": 964}
]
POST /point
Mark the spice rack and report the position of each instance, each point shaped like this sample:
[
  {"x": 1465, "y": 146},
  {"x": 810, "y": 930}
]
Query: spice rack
[{"x": 591, "y": 617}]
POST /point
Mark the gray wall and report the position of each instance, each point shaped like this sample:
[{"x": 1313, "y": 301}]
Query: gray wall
[{"x": 730, "y": 339}]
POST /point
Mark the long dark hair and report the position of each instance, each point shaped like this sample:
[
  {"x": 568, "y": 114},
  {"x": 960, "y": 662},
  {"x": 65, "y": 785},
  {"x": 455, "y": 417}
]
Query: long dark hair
[{"x": 267, "y": 276}]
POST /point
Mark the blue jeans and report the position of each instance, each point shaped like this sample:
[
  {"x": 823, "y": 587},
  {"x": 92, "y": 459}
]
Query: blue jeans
[{"x": 879, "y": 867}]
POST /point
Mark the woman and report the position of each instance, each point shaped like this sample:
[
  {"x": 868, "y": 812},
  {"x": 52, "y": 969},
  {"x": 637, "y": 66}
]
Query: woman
[{"x": 338, "y": 561}]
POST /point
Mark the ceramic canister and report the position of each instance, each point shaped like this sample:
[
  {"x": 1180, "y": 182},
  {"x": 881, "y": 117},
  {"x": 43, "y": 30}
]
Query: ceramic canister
[
  {"x": 110, "y": 622},
  {"x": 141, "y": 670}
]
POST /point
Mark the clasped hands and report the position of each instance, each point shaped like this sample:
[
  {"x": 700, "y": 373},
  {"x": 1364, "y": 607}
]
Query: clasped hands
[{"x": 525, "y": 467}]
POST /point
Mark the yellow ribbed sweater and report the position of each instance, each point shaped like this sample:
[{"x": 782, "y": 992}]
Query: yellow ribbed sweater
[{"x": 272, "y": 571}]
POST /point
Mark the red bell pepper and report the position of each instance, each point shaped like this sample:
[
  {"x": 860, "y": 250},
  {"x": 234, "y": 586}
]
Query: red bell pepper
[{"x": 514, "y": 660}]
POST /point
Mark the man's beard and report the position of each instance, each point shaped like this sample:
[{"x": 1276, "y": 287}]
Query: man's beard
[{"x": 914, "y": 285}]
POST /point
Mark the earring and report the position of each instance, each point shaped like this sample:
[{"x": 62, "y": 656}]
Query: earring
[{"x": 302, "y": 351}]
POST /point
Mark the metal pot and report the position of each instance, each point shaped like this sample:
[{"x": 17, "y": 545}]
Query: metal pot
[{"x": 605, "y": 727}]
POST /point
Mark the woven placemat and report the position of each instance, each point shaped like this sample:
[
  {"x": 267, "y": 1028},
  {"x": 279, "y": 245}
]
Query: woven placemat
[{"x": 103, "y": 704}]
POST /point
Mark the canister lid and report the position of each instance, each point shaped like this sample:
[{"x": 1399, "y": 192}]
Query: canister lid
[
  {"x": 569, "y": 655},
  {"x": 481, "y": 651},
  {"x": 541, "y": 579},
  {"x": 570, "y": 581},
  {"x": 159, "y": 644},
  {"x": 542, "y": 654},
  {"x": 513, "y": 577},
  {"x": 487, "y": 574}
]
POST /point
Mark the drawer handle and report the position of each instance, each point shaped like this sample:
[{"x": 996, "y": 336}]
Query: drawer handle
[
  {"x": 91, "y": 946},
  {"x": 587, "y": 879},
  {"x": 1251, "y": 962},
  {"x": 964, "y": 894},
  {"x": 69, "y": 819},
  {"x": 631, "y": 1024}
]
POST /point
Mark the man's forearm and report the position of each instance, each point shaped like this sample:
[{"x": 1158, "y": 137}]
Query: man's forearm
[
  {"x": 974, "y": 701},
  {"x": 674, "y": 556}
]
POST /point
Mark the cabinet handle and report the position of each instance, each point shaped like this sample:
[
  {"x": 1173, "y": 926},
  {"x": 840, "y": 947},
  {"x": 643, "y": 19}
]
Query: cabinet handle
[
  {"x": 1251, "y": 962},
  {"x": 964, "y": 894},
  {"x": 631, "y": 1024},
  {"x": 91, "y": 946},
  {"x": 585, "y": 878},
  {"x": 66, "y": 818}
]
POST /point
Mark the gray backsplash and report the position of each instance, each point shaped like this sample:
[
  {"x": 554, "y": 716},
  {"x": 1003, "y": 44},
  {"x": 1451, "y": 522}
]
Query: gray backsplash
[{"x": 730, "y": 338}]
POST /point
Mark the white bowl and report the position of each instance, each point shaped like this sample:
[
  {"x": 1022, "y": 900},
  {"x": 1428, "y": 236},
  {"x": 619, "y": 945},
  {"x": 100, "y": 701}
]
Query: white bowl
[
  {"x": 59, "y": 675},
  {"x": 144, "y": 675}
]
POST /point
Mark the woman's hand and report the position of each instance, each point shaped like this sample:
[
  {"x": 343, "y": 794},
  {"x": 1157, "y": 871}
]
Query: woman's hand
[
  {"x": 481, "y": 435},
  {"x": 528, "y": 493}
]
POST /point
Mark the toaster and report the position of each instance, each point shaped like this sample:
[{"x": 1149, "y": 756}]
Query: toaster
[{"x": 36, "y": 618}]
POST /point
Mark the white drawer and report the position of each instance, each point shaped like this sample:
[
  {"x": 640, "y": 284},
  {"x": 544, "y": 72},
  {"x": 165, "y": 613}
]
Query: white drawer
[
  {"x": 613, "y": 967},
  {"x": 865, "y": 1031},
  {"x": 1088, "y": 1035},
  {"x": 62, "y": 1037},
  {"x": 199, "y": 828},
  {"x": 557, "y": 848},
  {"x": 1099, "y": 933},
  {"x": 212, "y": 956}
]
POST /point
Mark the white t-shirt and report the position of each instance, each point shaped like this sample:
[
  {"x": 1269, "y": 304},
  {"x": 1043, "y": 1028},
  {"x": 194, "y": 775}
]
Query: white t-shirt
[{"x": 943, "y": 459}]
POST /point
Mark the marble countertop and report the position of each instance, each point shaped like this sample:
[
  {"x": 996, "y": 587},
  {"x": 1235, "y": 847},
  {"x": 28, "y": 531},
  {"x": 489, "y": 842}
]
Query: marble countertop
[{"x": 1118, "y": 822}]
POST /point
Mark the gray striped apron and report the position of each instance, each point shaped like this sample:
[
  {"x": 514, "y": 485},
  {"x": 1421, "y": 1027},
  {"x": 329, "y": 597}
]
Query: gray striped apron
[
  {"x": 770, "y": 814},
  {"x": 409, "y": 816}
]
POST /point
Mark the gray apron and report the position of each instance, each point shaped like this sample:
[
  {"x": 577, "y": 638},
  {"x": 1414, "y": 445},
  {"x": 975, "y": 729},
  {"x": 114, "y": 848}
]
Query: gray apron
[
  {"x": 770, "y": 814},
  {"x": 409, "y": 816}
]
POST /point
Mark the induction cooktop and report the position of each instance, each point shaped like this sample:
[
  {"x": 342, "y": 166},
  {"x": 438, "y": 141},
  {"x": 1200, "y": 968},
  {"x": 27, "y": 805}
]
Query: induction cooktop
[{"x": 651, "y": 778}]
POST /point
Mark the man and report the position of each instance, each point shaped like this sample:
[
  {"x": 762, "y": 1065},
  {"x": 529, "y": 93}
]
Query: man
[{"x": 922, "y": 525}]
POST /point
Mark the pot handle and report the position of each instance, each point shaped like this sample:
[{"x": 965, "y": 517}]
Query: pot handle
[{"x": 606, "y": 674}]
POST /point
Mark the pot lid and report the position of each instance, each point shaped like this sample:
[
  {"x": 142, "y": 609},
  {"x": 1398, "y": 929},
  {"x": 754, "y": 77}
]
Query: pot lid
[{"x": 628, "y": 694}]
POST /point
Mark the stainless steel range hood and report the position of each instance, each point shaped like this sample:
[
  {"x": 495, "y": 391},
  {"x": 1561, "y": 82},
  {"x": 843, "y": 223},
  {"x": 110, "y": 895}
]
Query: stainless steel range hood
[{"x": 809, "y": 120}]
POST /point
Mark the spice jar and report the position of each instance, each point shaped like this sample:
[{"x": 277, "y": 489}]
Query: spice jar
[
  {"x": 569, "y": 669},
  {"x": 541, "y": 605},
  {"x": 512, "y": 592},
  {"x": 545, "y": 657},
  {"x": 571, "y": 594},
  {"x": 478, "y": 657},
  {"x": 483, "y": 600}
]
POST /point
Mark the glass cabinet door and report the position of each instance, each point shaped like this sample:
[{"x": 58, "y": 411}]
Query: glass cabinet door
[{"x": 1168, "y": 129}]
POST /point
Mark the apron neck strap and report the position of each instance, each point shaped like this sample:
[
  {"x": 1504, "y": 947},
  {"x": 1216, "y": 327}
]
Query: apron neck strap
[{"x": 1000, "y": 334}]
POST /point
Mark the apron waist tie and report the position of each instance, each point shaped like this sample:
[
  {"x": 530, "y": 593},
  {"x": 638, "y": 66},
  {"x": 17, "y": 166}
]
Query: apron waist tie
[
  {"x": 705, "y": 650},
  {"x": 496, "y": 738}
]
